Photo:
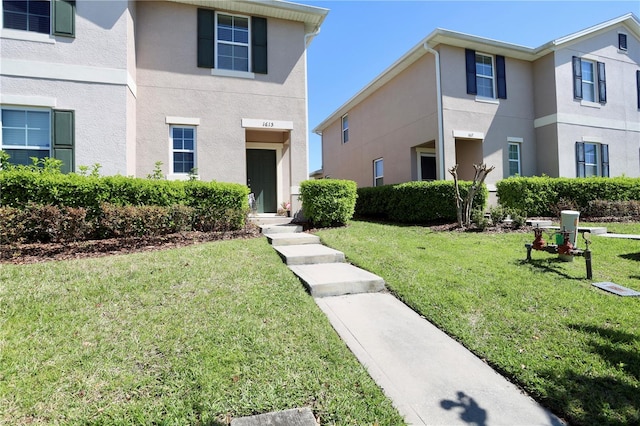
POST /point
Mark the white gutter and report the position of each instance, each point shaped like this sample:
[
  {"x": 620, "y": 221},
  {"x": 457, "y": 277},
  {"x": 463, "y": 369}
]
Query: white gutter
[
  {"x": 307, "y": 40},
  {"x": 436, "y": 54}
]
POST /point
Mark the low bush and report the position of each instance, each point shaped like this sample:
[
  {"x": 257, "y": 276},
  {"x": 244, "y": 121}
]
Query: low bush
[
  {"x": 414, "y": 202},
  {"x": 543, "y": 196},
  {"x": 328, "y": 202},
  {"x": 618, "y": 209}
]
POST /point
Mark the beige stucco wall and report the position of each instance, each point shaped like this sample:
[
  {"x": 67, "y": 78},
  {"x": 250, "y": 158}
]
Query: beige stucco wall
[
  {"x": 170, "y": 84},
  {"x": 497, "y": 119},
  {"x": 389, "y": 124},
  {"x": 87, "y": 74},
  {"x": 616, "y": 123}
]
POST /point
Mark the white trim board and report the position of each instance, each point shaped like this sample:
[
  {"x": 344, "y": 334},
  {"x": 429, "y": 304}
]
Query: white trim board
[{"x": 582, "y": 120}]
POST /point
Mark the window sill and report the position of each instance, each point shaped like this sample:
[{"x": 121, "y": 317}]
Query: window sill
[
  {"x": 182, "y": 176},
  {"x": 230, "y": 73},
  {"x": 27, "y": 36},
  {"x": 590, "y": 104},
  {"x": 487, "y": 100}
]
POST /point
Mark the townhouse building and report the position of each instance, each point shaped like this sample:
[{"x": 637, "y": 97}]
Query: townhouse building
[
  {"x": 212, "y": 88},
  {"x": 569, "y": 108}
]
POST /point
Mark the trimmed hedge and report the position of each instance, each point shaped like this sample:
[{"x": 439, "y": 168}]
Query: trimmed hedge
[
  {"x": 328, "y": 202},
  {"x": 415, "y": 202},
  {"x": 539, "y": 196}
]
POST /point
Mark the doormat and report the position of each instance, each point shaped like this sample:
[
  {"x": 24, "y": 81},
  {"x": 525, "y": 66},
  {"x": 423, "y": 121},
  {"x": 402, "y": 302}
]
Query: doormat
[{"x": 616, "y": 289}]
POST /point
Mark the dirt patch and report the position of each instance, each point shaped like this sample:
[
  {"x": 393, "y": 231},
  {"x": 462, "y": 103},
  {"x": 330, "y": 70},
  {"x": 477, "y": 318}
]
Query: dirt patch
[{"x": 41, "y": 252}]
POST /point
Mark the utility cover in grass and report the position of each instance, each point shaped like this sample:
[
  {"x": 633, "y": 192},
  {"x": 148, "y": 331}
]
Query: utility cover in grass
[{"x": 617, "y": 289}]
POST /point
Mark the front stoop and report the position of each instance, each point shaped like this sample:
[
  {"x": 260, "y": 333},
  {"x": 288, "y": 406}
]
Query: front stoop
[
  {"x": 283, "y": 228},
  {"x": 309, "y": 254},
  {"x": 292, "y": 239},
  {"x": 336, "y": 279}
]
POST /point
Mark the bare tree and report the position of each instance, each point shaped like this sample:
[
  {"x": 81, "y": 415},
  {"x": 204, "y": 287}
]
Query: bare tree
[{"x": 464, "y": 206}]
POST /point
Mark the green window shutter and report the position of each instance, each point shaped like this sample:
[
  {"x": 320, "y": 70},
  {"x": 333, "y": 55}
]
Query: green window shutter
[
  {"x": 206, "y": 38},
  {"x": 64, "y": 138},
  {"x": 64, "y": 18},
  {"x": 259, "y": 45}
]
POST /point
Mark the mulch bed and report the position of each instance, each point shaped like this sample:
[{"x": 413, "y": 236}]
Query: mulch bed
[{"x": 43, "y": 252}]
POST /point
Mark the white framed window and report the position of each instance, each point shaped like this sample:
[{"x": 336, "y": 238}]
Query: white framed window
[
  {"x": 26, "y": 133},
  {"x": 27, "y": 15},
  {"x": 588, "y": 81},
  {"x": 183, "y": 149},
  {"x": 345, "y": 128},
  {"x": 232, "y": 42},
  {"x": 514, "y": 159},
  {"x": 622, "y": 42},
  {"x": 485, "y": 79},
  {"x": 378, "y": 172},
  {"x": 592, "y": 159}
]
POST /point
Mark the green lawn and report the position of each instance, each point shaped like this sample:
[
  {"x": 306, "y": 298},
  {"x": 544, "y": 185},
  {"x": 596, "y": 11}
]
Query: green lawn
[
  {"x": 572, "y": 346},
  {"x": 184, "y": 336}
]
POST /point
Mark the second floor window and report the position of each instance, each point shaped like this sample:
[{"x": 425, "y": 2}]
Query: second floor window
[
  {"x": 589, "y": 80},
  {"x": 484, "y": 75},
  {"x": 27, "y": 15},
  {"x": 232, "y": 37}
]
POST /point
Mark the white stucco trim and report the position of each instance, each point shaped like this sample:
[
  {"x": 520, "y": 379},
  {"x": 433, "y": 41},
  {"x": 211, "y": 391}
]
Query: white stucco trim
[
  {"x": 277, "y": 147},
  {"x": 66, "y": 72},
  {"x": 231, "y": 73},
  {"x": 591, "y": 139},
  {"x": 37, "y": 101},
  {"x": 266, "y": 124},
  {"x": 486, "y": 100},
  {"x": 27, "y": 36},
  {"x": 515, "y": 139},
  {"x": 583, "y": 120},
  {"x": 187, "y": 121},
  {"x": 466, "y": 134}
]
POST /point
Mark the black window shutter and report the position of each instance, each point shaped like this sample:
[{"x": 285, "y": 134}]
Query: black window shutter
[
  {"x": 638, "y": 86},
  {"x": 206, "y": 39},
  {"x": 604, "y": 154},
  {"x": 64, "y": 18},
  {"x": 259, "y": 45},
  {"x": 470, "y": 55},
  {"x": 580, "y": 159},
  {"x": 602, "y": 84},
  {"x": 622, "y": 41},
  {"x": 577, "y": 78},
  {"x": 502, "y": 77},
  {"x": 63, "y": 138}
]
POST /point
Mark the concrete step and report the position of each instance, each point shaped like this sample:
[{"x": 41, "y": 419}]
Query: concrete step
[
  {"x": 308, "y": 254},
  {"x": 282, "y": 228},
  {"x": 269, "y": 219},
  {"x": 292, "y": 239},
  {"x": 336, "y": 279}
]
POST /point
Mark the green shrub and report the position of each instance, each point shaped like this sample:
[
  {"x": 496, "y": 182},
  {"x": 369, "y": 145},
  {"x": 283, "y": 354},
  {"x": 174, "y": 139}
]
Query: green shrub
[
  {"x": 542, "y": 196},
  {"x": 414, "y": 202},
  {"x": 479, "y": 219},
  {"x": 328, "y": 202},
  {"x": 606, "y": 208}
]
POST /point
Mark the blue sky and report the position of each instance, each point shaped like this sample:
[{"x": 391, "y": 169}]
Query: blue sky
[{"x": 360, "y": 39}]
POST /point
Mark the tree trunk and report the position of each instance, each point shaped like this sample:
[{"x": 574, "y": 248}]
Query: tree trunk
[{"x": 465, "y": 207}]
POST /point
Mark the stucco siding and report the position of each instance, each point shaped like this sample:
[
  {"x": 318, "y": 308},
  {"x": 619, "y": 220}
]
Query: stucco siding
[
  {"x": 170, "y": 84},
  {"x": 389, "y": 124},
  {"x": 547, "y": 150},
  {"x": 544, "y": 82}
]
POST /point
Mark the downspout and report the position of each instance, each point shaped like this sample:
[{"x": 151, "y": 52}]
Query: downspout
[
  {"x": 307, "y": 37},
  {"x": 436, "y": 54}
]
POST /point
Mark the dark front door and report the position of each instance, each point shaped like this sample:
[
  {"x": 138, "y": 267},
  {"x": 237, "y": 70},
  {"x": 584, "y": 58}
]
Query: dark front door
[
  {"x": 261, "y": 178},
  {"x": 428, "y": 167}
]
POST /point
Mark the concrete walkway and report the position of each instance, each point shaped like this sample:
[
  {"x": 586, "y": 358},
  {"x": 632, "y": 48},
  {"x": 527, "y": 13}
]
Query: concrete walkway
[{"x": 430, "y": 378}]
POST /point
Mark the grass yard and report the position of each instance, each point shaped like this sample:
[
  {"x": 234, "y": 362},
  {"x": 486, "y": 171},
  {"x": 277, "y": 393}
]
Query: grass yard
[
  {"x": 572, "y": 346},
  {"x": 195, "y": 335}
]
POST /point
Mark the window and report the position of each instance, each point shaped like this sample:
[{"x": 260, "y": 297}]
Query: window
[
  {"x": 232, "y": 38},
  {"x": 622, "y": 42},
  {"x": 40, "y": 16},
  {"x": 183, "y": 145},
  {"x": 26, "y": 134},
  {"x": 514, "y": 159},
  {"x": 378, "y": 172},
  {"x": 345, "y": 128},
  {"x": 592, "y": 159},
  {"x": 638, "y": 87},
  {"x": 484, "y": 78},
  {"x": 589, "y": 80},
  {"x": 232, "y": 42}
]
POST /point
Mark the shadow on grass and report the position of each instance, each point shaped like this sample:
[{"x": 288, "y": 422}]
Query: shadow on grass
[
  {"x": 631, "y": 256},
  {"x": 549, "y": 265}
]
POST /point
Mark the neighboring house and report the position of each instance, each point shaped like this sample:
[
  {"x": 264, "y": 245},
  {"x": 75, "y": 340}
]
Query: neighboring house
[
  {"x": 569, "y": 108},
  {"x": 215, "y": 88}
]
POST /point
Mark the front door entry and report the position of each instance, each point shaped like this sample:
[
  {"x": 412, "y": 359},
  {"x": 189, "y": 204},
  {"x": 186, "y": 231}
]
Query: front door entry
[{"x": 261, "y": 178}]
